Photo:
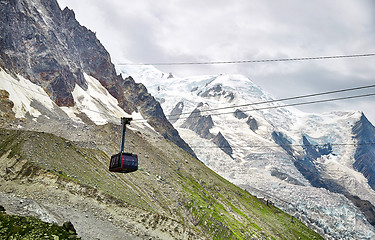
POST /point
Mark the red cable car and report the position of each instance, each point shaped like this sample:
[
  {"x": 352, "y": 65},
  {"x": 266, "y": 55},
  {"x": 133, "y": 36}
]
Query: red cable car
[{"x": 124, "y": 162}]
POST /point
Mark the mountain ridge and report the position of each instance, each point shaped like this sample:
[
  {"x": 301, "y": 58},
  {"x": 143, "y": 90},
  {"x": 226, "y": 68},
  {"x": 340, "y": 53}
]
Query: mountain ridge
[
  {"x": 281, "y": 149},
  {"x": 51, "y": 49}
]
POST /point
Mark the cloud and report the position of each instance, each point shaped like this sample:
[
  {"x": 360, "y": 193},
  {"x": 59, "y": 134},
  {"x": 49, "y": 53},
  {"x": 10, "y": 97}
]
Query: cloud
[{"x": 220, "y": 30}]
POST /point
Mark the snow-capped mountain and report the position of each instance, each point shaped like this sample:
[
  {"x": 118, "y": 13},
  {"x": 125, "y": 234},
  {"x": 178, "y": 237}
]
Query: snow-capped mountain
[
  {"x": 56, "y": 77},
  {"x": 48, "y": 47},
  {"x": 317, "y": 166},
  {"x": 59, "y": 98}
]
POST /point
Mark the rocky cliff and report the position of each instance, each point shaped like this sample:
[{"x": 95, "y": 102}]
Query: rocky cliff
[
  {"x": 364, "y": 133},
  {"x": 317, "y": 166},
  {"x": 50, "y": 48}
]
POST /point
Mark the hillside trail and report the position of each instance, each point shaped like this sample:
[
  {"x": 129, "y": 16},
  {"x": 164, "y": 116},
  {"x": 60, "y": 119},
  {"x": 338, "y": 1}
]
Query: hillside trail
[
  {"x": 88, "y": 223},
  {"x": 94, "y": 215}
]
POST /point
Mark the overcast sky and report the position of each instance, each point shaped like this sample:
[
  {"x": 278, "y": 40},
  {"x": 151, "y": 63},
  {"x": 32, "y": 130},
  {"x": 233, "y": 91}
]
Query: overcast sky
[{"x": 224, "y": 30}]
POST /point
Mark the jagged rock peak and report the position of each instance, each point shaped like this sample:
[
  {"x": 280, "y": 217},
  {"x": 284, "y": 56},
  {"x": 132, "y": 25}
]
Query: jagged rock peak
[
  {"x": 364, "y": 133},
  {"x": 240, "y": 114},
  {"x": 223, "y": 144},
  {"x": 176, "y": 112},
  {"x": 49, "y": 47},
  {"x": 253, "y": 124},
  {"x": 199, "y": 123}
]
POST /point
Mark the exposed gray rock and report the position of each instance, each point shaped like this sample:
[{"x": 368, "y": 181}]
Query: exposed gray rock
[
  {"x": 363, "y": 130},
  {"x": 194, "y": 89},
  {"x": 223, "y": 144},
  {"x": 253, "y": 124},
  {"x": 218, "y": 91},
  {"x": 364, "y": 156},
  {"x": 305, "y": 164},
  {"x": 161, "y": 100},
  {"x": 229, "y": 96},
  {"x": 170, "y": 76},
  {"x": 214, "y": 91},
  {"x": 285, "y": 177},
  {"x": 50, "y": 48},
  {"x": 176, "y": 112},
  {"x": 40, "y": 42},
  {"x": 6, "y": 106},
  {"x": 199, "y": 123},
  {"x": 240, "y": 115},
  {"x": 365, "y": 206},
  {"x": 281, "y": 140}
]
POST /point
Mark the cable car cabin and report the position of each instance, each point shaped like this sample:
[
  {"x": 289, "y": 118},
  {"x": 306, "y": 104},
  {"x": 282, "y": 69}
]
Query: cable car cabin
[{"x": 124, "y": 163}]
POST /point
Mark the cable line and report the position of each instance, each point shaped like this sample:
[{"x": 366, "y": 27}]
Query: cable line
[
  {"x": 254, "y": 109},
  {"x": 286, "y": 145},
  {"x": 279, "y": 106},
  {"x": 271, "y": 101},
  {"x": 282, "y": 99},
  {"x": 254, "y": 61},
  {"x": 250, "y": 104}
]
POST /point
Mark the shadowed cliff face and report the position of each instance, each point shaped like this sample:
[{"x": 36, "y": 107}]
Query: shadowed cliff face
[
  {"x": 364, "y": 132},
  {"x": 199, "y": 123},
  {"x": 364, "y": 156},
  {"x": 50, "y": 48},
  {"x": 40, "y": 42}
]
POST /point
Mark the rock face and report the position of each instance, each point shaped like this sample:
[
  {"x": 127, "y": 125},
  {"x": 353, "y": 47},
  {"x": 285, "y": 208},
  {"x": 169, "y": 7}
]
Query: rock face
[
  {"x": 176, "y": 112},
  {"x": 239, "y": 114},
  {"x": 285, "y": 177},
  {"x": 223, "y": 144},
  {"x": 199, "y": 123},
  {"x": 43, "y": 43},
  {"x": 202, "y": 124},
  {"x": 50, "y": 48},
  {"x": 364, "y": 156},
  {"x": 253, "y": 124},
  {"x": 6, "y": 106},
  {"x": 305, "y": 164},
  {"x": 218, "y": 91},
  {"x": 281, "y": 140},
  {"x": 364, "y": 132}
]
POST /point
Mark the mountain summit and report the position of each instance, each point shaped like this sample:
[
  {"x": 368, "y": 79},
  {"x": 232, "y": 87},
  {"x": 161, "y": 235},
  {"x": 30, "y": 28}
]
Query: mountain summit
[
  {"x": 316, "y": 166},
  {"x": 51, "y": 49}
]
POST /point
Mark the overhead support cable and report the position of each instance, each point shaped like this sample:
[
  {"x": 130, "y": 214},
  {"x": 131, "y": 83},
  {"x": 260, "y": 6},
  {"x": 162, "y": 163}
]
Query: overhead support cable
[
  {"x": 278, "y": 106},
  {"x": 254, "y": 61},
  {"x": 282, "y": 99},
  {"x": 252, "y": 104},
  {"x": 288, "y": 145}
]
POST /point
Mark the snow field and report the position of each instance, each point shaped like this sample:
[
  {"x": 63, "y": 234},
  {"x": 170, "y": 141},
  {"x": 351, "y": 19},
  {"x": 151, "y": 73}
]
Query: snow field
[{"x": 22, "y": 93}]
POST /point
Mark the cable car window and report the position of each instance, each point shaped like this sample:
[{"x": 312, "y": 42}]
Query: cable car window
[{"x": 115, "y": 161}]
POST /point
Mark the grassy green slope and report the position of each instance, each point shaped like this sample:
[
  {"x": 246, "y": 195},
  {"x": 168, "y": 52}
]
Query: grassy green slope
[
  {"x": 169, "y": 182},
  {"x": 16, "y": 227}
]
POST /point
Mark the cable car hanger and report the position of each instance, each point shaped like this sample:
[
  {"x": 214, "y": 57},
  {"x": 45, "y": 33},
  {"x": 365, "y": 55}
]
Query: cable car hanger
[{"x": 124, "y": 162}]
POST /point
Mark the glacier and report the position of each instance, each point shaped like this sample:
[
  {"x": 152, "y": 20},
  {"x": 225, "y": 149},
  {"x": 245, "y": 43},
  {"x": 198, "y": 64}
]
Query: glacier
[{"x": 267, "y": 141}]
